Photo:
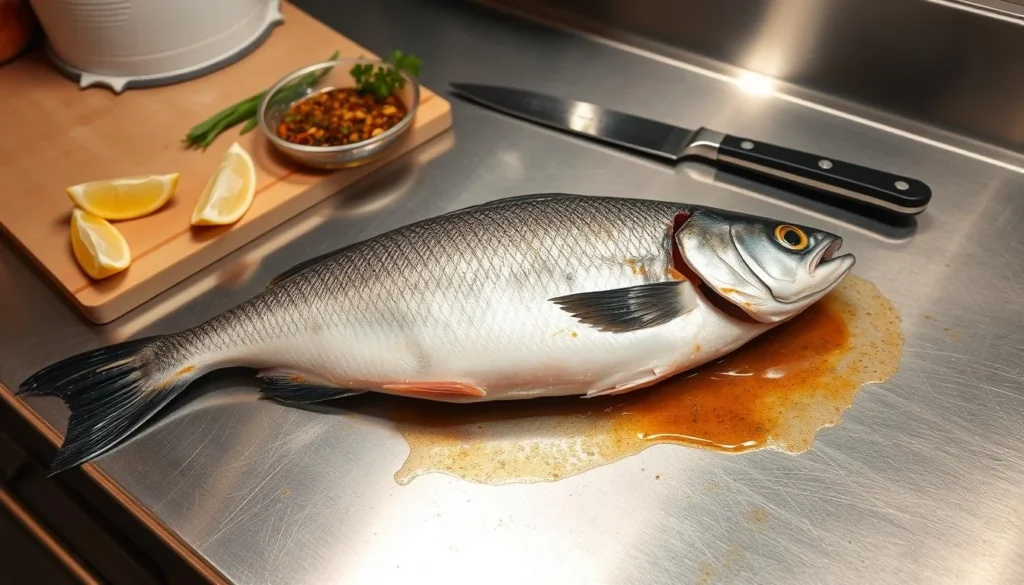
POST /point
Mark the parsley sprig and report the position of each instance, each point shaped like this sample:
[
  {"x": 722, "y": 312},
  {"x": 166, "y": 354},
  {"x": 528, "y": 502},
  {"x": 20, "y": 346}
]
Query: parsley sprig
[{"x": 381, "y": 80}]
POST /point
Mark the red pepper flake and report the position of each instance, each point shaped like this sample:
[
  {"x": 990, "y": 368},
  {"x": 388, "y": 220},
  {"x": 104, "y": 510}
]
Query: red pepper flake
[{"x": 339, "y": 116}]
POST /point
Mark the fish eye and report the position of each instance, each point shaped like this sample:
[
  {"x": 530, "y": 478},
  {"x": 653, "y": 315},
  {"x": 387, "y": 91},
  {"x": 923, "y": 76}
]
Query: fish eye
[{"x": 791, "y": 237}]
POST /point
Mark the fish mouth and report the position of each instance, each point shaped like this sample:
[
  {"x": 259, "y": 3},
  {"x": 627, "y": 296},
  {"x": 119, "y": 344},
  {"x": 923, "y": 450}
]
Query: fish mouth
[
  {"x": 828, "y": 268},
  {"x": 826, "y": 254}
]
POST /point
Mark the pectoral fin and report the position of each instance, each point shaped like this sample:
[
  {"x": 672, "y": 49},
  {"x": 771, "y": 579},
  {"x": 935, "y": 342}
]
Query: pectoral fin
[
  {"x": 300, "y": 388},
  {"x": 628, "y": 309}
]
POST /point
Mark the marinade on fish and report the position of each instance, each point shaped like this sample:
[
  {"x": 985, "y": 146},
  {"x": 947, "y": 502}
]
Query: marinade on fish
[{"x": 530, "y": 296}]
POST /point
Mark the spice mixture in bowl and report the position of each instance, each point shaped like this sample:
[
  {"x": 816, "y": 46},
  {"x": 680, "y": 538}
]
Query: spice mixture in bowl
[
  {"x": 340, "y": 116},
  {"x": 341, "y": 113}
]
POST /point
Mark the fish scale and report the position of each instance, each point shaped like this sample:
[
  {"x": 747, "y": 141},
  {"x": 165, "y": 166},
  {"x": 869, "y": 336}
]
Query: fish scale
[
  {"x": 445, "y": 264},
  {"x": 442, "y": 266}
]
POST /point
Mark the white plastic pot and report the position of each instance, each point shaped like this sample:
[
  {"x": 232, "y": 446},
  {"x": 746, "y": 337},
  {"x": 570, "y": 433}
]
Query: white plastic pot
[{"x": 138, "y": 43}]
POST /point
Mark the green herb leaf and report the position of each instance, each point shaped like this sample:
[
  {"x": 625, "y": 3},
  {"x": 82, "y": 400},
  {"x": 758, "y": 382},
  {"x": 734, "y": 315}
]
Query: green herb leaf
[
  {"x": 382, "y": 81},
  {"x": 410, "y": 64}
]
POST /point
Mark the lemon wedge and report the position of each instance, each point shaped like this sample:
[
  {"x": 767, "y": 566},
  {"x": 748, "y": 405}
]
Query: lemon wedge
[
  {"x": 229, "y": 191},
  {"x": 100, "y": 249},
  {"x": 124, "y": 197}
]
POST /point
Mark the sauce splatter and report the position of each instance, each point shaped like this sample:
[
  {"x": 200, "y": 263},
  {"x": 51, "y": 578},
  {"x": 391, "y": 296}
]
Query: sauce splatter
[
  {"x": 776, "y": 392},
  {"x": 756, "y": 517}
]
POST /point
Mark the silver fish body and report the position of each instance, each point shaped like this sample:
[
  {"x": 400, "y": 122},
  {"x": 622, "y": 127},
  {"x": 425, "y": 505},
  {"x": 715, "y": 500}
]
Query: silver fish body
[{"x": 539, "y": 295}]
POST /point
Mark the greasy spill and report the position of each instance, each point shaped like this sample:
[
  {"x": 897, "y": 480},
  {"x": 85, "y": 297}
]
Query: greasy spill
[{"x": 776, "y": 392}]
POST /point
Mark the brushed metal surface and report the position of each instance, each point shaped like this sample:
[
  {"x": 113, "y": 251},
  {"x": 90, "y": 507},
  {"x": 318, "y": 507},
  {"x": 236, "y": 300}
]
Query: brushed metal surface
[
  {"x": 944, "y": 63},
  {"x": 923, "y": 482}
]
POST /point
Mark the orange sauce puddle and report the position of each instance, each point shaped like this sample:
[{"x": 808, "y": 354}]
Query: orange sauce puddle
[{"x": 775, "y": 392}]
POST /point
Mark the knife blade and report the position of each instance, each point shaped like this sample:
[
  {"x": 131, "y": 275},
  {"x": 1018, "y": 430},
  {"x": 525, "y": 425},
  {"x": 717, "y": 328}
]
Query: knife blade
[{"x": 827, "y": 175}]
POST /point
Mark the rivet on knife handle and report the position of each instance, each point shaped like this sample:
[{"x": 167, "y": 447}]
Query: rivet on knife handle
[{"x": 870, "y": 186}]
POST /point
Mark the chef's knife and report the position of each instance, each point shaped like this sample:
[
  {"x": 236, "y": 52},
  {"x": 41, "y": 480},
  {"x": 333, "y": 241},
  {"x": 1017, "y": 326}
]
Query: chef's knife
[{"x": 873, "y": 187}]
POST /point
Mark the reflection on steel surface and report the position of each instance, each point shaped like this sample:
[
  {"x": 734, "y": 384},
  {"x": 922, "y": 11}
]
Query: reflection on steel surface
[{"x": 903, "y": 58}]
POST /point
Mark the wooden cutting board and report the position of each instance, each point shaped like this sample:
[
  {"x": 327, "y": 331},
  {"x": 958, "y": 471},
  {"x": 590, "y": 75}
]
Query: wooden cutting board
[{"x": 56, "y": 135}]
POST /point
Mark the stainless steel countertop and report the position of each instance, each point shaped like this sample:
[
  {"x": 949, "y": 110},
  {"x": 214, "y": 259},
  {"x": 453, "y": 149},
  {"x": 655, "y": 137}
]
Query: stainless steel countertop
[{"x": 921, "y": 483}]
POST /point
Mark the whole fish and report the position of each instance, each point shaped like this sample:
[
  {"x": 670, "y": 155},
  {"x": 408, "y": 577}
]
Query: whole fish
[{"x": 530, "y": 296}]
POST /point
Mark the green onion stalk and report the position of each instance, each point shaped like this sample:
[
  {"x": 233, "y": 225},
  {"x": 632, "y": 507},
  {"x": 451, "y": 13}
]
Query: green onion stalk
[{"x": 203, "y": 134}]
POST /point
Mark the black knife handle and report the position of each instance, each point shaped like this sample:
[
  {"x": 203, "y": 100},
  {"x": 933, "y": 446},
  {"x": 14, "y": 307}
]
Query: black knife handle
[{"x": 870, "y": 186}]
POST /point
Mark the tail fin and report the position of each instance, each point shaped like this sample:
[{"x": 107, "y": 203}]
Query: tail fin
[{"x": 110, "y": 391}]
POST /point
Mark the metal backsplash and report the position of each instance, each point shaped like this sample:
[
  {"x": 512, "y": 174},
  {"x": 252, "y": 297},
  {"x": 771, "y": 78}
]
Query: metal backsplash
[{"x": 954, "y": 65}]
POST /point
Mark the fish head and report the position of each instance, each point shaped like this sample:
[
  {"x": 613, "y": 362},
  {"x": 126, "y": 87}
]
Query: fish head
[{"x": 770, "y": 270}]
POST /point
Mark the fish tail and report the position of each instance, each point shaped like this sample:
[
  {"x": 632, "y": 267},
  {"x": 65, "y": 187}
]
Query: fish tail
[{"x": 111, "y": 391}]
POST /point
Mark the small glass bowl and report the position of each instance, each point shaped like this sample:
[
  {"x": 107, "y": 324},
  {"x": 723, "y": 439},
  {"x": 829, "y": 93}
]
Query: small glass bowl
[{"x": 333, "y": 75}]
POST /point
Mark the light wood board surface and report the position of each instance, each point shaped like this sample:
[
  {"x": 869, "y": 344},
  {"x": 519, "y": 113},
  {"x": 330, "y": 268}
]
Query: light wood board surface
[{"x": 57, "y": 135}]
